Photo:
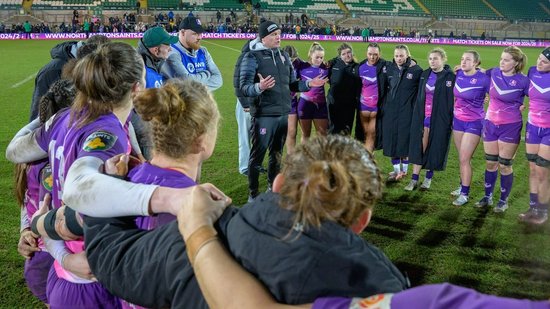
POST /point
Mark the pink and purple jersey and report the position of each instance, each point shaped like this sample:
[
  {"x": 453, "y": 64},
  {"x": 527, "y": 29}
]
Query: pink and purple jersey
[
  {"x": 470, "y": 94},
  {"x": 430, "y": 89},
  {"x": 539, "y": 98},
  {"x": 39, "y": 182},
  {"x": 506, "y": 95},
  {"x": 151, "y": 174},
  {"x": 103, "y": 138},
  {"x": 369, "y": 88},
  {"x": 307, "y": 71}
]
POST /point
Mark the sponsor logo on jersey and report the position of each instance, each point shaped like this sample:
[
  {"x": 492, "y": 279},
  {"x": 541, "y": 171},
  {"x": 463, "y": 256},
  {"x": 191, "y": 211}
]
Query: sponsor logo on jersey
[
  {"x": 46, "y": 178},
  {"x": 99, "y": 141},
  {"x": 190, "y": 68},
  {"x": 449, "y": 83}
]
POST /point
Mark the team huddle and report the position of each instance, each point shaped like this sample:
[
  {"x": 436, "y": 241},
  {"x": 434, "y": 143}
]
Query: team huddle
[{"x": 137, "y": 124}]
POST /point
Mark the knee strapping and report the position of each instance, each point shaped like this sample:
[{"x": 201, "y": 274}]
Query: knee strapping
[
  {"x": 505, "y": 162},
  {"x": 532, "y": 157},
  {"x": 542, "y": 162},
  {"x": 491, "y": 157}
]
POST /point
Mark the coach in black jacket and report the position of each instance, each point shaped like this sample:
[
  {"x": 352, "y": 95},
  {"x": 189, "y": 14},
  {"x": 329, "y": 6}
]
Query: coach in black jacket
[
  {"x": 266, "y": 74},
  {"x": 435, "y": 156}
]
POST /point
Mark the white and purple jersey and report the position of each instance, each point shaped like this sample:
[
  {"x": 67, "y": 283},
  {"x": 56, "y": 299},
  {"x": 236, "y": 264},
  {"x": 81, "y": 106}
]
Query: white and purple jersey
[
  {"x": 506, "y": 95},
  {"x": 430, "y": 89},
  {"x": 307, "y": 71},
  {"x": 151, "y": 174},
  {"x": 470, "y": 94},
  {"x": 369, "y": 88},
  {"x": 539, "y": 98}
]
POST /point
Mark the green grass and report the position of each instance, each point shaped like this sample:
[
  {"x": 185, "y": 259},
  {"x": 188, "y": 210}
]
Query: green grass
[{"x": 421, "y": 232}]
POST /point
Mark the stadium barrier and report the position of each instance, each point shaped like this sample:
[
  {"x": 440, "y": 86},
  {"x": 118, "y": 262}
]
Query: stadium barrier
[{"x": 310, "y": 37}]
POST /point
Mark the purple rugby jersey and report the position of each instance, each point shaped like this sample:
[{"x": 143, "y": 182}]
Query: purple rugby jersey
[
  {"x": 103, "y": 138},
  {"x": 369, "y": 88},
  {"x": 506, "y": 96},
  {"x": 470, "y": 94},
  {"x": 430, "y": 89},
  {"x": 539, "y": 98},
  {"x": 307, "y": 71},
  {"x": 39, "y": 182},
  {"x": 151, "y": 174},
  {"x": 434, "y": 296}
]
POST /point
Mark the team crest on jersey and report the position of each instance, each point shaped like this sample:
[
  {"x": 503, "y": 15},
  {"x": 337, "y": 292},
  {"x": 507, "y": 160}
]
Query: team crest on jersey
[
  {"x": 449, "y": 83},
  {"x": 190, "y": 68},
  {"x": 384, "y": 70},
  {"x": 380, "y": 301},
  {"x": 513, "y": 82},
  {"x": 409, "y": 76},
  {"x": 99, "y": 141},
  {"x": 46, "y": 178},
  {"x": 263, "y": 131},
  {"x": 473, "y": 81}
]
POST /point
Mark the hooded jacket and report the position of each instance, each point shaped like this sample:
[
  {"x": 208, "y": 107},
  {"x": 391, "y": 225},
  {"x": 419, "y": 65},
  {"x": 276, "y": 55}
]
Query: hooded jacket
[
  {"x": 297, "y": 267},
  {"x": 268, "y": 61},
  {"x": 243, "y": 100},
  {"x": 152, "y": 64},
  {"x": 435, "y": 156},
  {"x": 51, "y": 72}
]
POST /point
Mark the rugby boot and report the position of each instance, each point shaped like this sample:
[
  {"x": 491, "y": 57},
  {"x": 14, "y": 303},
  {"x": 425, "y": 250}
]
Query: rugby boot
[
  {"x": 539, "y": 217},
  {"x": 525, "y": 216},
  {"x": 461, "y": 200},
  {"x": 501, "y": 206},
  {"x": 412, "y": 185},
  {"x": 426, "y": 184}
]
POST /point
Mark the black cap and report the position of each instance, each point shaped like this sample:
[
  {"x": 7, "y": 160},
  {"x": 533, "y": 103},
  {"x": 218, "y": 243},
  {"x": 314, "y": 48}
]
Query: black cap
[
  {"x": 192, "y": 23},
  {"x": 266, "y": 28},
  {"x": 546, "y": 53}
]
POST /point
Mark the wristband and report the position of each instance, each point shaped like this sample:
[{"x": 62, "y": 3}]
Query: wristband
[
  {"x": 198, "y": 239},
  {"x": 72, "y": 222},
  {"x": 49, "y": 225},
  {"x": 34, "y": 227}
]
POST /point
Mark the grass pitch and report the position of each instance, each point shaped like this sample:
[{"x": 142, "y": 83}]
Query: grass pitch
[{"x": 428, "y": 238}]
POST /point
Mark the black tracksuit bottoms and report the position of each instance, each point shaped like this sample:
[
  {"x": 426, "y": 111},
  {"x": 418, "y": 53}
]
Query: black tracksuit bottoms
[{"x": 266, "y": 133}]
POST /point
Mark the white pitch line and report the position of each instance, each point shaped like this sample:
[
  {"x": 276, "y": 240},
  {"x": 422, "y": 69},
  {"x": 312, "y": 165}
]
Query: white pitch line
[
  {"x": 222, "y": 46},
  {"x": 24, "y": 81}
]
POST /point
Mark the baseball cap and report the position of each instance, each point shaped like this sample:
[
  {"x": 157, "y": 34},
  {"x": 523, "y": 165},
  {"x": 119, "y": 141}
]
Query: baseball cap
[
  {"x": 266, "y": 28},
  {"x": 156, "y": 36},
  {"x": 192, "y": 23},
  {"x": 546, "y": 53}
]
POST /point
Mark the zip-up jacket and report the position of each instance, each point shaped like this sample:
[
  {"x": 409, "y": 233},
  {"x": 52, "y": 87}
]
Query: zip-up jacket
[{"x": 268, "y": 61}]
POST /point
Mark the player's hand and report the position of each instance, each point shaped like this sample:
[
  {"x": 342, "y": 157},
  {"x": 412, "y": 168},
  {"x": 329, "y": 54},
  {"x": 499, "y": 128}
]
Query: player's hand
[
  {"x": 78, "y": 265},
  {"x": 27, "y": 244},
  {"x": 117, "y": 165},
  {"x": 203, "y": 207},
  {"x": 318, "y": 81},
  {"x": 267, "y": 82}
]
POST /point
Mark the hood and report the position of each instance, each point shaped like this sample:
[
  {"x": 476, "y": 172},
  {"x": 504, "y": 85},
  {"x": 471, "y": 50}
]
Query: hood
[
  {"x": 149, "y": 60},
  {"x": 256, "y": 45},
  {"x": 65, "y": 50},
  {"x": 246, "y": 46}
]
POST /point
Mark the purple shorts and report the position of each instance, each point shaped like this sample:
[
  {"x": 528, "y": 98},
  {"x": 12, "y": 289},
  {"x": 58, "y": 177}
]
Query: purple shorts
[
  {"x": 427, "y": 121},
  {"x": 472, "y": 127},
  {"x": 537, "y": 135},
  {"x": 509, "y": 132},
  {"x": 65, "y": 294},
  {"x": 367, "y": 108},
  {"x": 310, "y": 110},
  {"x": 294, "y": 106},
  {"x": 36, "y": 274}
]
